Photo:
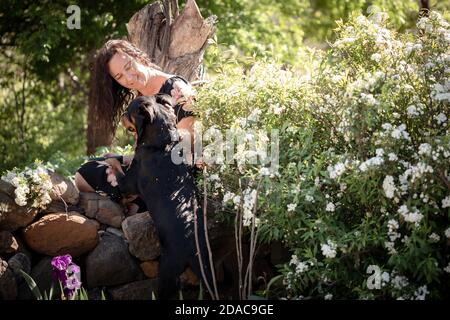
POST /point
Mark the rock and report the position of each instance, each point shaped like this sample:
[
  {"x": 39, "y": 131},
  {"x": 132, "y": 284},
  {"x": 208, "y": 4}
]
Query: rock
[
  {"x": 150, "y": 268},
  {"x": 142, "y": 237},
  {"x": 138, "y": 290},
  {"x": 96, "y": 294},
  {"x": 59, "y": 206},
  {"x": 102, "y": 209},
  {"x": 8, "y": 243},
  {"x": 7, "y": 188},
  {"x": 8, "y": 284},
  {"x": 19, "y": 262},
  {"x": 63, "y": 188},
  {"x": 62, "y": 233},
  {"x": 110, "y": 263},
  {"x": 13, "y": 216},
  {"x": 115, "y": 232}
]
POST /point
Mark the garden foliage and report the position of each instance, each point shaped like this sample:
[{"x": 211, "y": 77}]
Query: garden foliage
[{"x": 361, "y": 195}]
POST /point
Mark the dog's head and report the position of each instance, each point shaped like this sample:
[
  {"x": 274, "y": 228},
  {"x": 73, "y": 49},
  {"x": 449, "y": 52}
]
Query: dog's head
[{"x": 153, "y": 120}]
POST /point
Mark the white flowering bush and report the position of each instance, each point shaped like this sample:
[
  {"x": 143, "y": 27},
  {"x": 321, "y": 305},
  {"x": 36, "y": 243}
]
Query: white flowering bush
[
  {"x": 361, "y": 192},
  {"x": 32, "y": 186}
]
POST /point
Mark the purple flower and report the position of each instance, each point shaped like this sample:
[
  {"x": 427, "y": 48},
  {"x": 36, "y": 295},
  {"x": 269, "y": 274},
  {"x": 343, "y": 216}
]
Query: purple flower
[
  {"x": 73, "y": 283},
  {"x": 68, "y": 273},
  {"x": 73, "y": 269},
  {"x": 62, "y": 262}
]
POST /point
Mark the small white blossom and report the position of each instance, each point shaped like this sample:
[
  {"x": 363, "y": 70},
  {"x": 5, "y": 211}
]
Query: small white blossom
[
  {"x": 434, "y": 237},
  {"x": 447, "y": 232},
  {"x": 441, "y": 118},
  {"x": 447, "y": 268},
  {"x": 421, "y": 293},
  {"x": 389, "y": 187},
  {"x": 330, "y": 207},
  {"x": 392, "y": 156},
  {"x": 291, "y": 207},
  {"x": 425, "y": 149},
  {"x": 446, "y": 202},
  {"x": 329, "y": 249}
]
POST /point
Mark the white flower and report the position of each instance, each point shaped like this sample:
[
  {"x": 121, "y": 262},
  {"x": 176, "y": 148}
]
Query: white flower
[
  {"x": 446, "y": 202},
  {"x": 379, "y": 152},
  {"x": 376, "y": 57},
  {"x": 434, "y": 237},
  {"x": 291, "y": 207},
  {"x": 227, "y": 197},
  {"x": 400, "y": 282},
  {"x": 336, "y": 170},
  {"x": 390, "y": 247},
  {"x": 264, "y": 171},
  {"x": 447, "y": 268},
  {"x": 447, "y": 232},
  {"x": 389, "y": 187},
  {"x": 330, "y": 207},
  {"x": 393, "y": 227},
  {"x": 421, "y": 293},
  {"x": 328, "y": 296},
  {"x": 441, "y": 118},
  {"x": 412, "y": 111},
  {"x": 413, "y": 217},
  {"x": 392, "y": 156},
  {"x": 425, "y": 149},
  {"x": 329, "y": 249}
]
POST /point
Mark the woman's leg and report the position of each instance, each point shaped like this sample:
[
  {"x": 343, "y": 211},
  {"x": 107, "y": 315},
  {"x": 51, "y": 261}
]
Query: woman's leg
[
  {"x": 82, "y": 184},
  {"x": 93, "y": 176}
]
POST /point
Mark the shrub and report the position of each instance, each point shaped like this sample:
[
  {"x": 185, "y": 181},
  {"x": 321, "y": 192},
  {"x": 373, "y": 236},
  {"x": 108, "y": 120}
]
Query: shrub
[{"x": 361, "y": 193}]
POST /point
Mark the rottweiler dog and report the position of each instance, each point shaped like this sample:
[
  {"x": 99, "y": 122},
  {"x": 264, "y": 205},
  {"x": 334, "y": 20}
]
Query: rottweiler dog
[{"x": 167, "y": 189}]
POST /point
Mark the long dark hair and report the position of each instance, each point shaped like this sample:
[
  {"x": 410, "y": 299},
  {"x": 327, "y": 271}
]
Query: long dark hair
[{"x": 107, "y": 98}]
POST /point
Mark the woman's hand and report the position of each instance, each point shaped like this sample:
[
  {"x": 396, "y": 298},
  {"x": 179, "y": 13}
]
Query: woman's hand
[{"x": 128, "y": 159}]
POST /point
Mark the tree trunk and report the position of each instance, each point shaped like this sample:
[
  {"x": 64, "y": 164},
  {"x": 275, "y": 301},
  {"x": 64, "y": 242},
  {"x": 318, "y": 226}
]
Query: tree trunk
[
  {"x": 424, "y": 8},
  {"x": 175, "y": 42}
]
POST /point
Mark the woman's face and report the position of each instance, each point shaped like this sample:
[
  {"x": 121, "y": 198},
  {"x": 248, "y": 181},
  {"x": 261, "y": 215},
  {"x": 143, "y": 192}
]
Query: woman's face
[{"x": 128, "y": 72}]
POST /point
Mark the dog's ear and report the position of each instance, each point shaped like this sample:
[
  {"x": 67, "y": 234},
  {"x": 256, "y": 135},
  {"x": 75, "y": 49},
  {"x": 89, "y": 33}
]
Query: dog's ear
[
  {"x": 141, "y": 114},
  {"x": 164, "y": 99}
]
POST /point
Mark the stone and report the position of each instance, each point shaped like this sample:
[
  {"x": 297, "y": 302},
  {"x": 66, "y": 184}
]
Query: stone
[
  {"x": 8, "y": 243},
  {"x": 101, "y": 208},
  {"x": 8, "y": 284},
  {"x": 138, "y": 290},
  {"x": 116, "y": 232},
  {"x": 63, "y": 188},
  {"x": 150, "y": 268},
  {"x": 142, "y": 237},
  {"x": 20, "y": 262},
  {"x": 110, "y": 263},
  {"x": 13, "y": 216},
  {"x": 62, "y": 233},
  {"x": 59, "y": 206},
  {"x": 42, "y": 275}
]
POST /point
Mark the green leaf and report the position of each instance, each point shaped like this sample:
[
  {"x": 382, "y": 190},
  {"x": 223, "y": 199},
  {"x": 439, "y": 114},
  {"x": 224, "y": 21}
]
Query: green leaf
[{"x": 31, "y": 284}]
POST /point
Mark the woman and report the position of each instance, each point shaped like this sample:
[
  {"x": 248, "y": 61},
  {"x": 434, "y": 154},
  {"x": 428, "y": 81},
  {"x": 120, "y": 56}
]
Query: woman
[{"x": 122, "y": 71}]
